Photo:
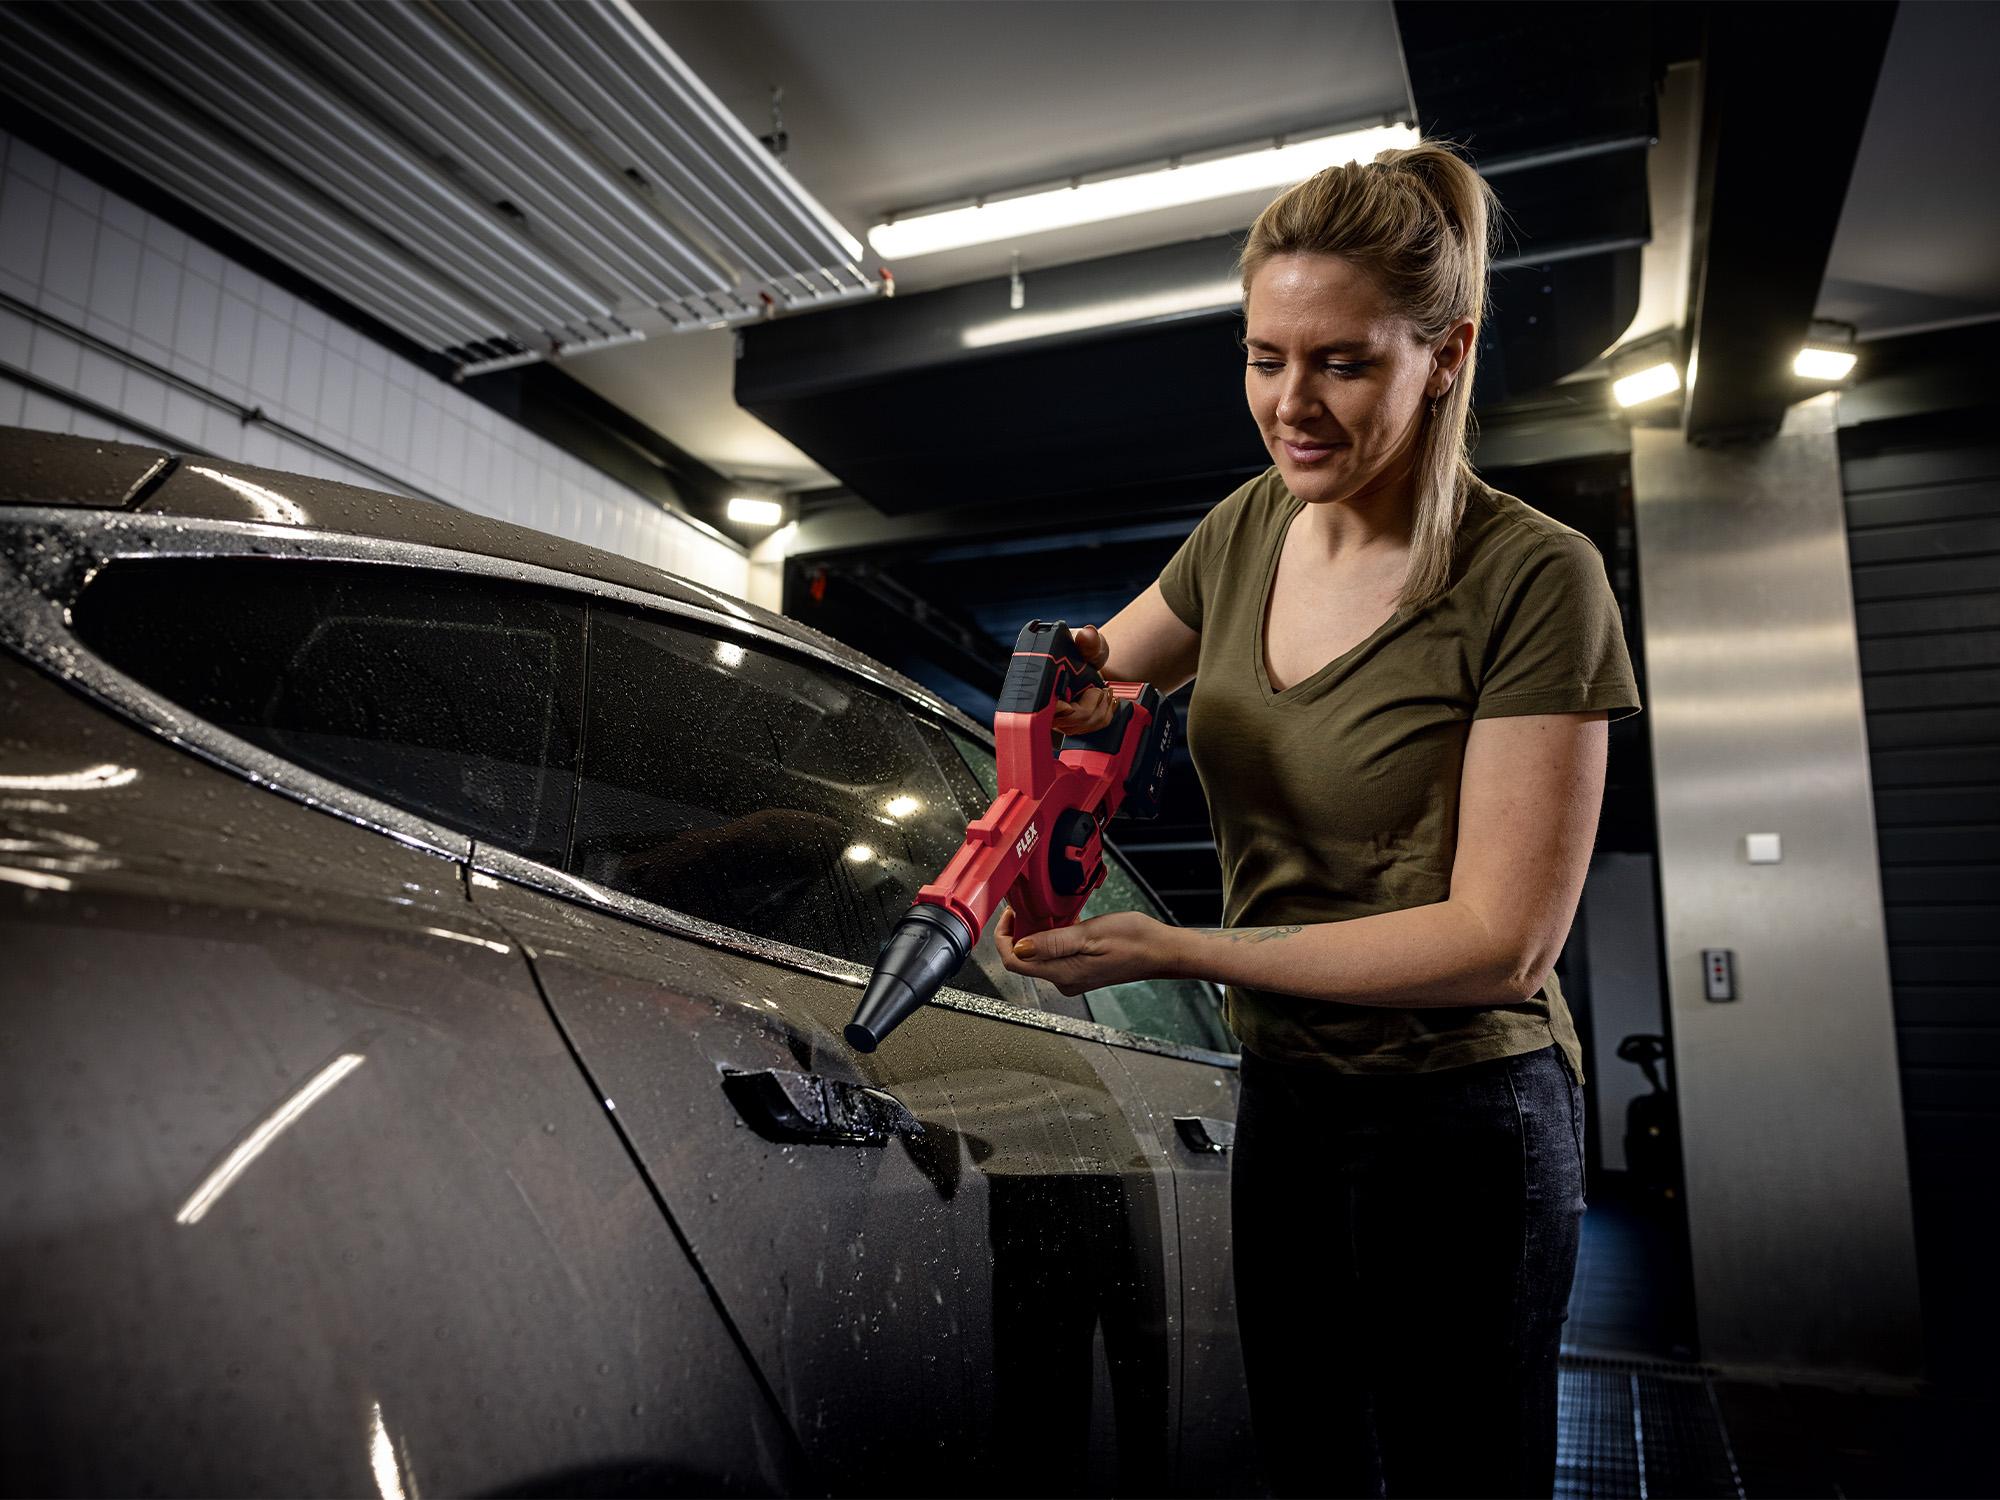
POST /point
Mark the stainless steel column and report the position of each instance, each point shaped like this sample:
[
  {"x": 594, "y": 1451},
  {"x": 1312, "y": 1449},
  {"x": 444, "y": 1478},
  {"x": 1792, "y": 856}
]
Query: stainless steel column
[{"x": 1798, "y": 1193}]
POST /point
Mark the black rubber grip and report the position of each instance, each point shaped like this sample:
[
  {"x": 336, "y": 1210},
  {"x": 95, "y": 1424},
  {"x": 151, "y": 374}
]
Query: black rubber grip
[
  {"x": 1110, "y": 737},
  {"x": 1068, "y": 874},
  {"x": 1046, "y": 664},
  {"x": 1146, "y": 782}
]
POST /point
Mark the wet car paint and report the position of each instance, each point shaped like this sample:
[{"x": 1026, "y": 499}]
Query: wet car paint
[
  {"x": 1215, "y": 1452},
  {"x": 918, "y": 1306},
  {"x": 75, "y": 471},
  {"x": 1056, "y": 1202},
  {"x": 1077, "y": 1257},
  {"x": 838, "y": 1261},
  {"x": 436, "y": 1269}
]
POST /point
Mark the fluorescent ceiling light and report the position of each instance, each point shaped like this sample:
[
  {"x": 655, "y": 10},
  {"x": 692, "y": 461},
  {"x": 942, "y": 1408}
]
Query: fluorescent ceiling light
[
  {"x": 1018, "y": 326},
  {"x": 1823, "y": 364},
  {"x": 756, "y": 512},
  {"x": 1133, "y": 193},
  {"x": 1654, "y": 380}
]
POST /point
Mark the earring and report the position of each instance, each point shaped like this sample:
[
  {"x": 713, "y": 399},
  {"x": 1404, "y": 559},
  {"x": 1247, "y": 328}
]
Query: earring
[{"x": 1434, "y": 402}]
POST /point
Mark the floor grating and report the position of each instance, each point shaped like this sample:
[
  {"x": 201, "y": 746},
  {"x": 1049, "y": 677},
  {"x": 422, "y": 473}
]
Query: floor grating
[{"x": 1643, "y": 1429}]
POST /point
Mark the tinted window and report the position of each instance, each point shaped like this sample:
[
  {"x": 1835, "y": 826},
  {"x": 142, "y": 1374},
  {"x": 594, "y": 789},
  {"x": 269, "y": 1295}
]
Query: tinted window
[
  {"x": 763, "y": 794},
  {"x": 456, "y": 698},
  {"x": 1174, "y": 1010}
]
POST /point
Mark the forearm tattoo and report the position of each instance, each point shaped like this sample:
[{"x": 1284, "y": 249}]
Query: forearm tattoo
[{"x": 1254, "y": 934}]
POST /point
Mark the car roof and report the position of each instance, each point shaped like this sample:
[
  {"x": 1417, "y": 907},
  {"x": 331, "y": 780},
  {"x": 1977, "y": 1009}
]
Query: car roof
[{"x": 52, "y": 468}]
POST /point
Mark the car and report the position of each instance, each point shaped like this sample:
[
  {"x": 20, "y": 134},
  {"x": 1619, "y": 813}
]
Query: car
[{"x": 428, "y": 943}]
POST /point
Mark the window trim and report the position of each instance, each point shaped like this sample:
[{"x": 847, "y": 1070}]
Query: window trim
[{"x": 38, "y": 593}]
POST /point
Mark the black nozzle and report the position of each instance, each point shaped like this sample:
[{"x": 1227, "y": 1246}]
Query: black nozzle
[{"x": 922, "y": 951}]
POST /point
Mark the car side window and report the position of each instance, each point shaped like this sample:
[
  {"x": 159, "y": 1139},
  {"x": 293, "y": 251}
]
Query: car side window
[
  {"x": 456, "y": 698},
  {"x": 1171, "y": 1010},
  {"x": 755, "y": 791}
]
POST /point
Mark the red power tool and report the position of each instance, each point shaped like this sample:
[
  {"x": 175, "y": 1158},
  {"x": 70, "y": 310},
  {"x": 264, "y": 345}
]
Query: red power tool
[{"x": 1040, "y": 845}]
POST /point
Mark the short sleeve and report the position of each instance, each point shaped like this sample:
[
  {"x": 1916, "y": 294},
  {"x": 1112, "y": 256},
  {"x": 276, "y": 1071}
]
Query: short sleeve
[
  {"x": 1557, "y": 644},
  {"x": 1190, "y": 571}
]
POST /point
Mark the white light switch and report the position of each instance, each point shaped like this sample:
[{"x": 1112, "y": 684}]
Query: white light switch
[{"x": 1763, "y": 847}]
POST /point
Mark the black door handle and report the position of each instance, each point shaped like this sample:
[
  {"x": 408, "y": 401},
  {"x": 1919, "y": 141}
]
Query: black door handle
[
  {"x": 1198, "y": 1133},
  {"x": 817, "y": 1111}
]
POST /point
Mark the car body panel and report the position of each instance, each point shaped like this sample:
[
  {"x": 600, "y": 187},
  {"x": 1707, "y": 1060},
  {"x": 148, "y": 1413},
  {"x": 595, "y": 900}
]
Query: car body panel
[
  {"x": 1011, "y": 1311},
  {"x": 916, "y": 1305},
  {"x": 839, "y": 1262},
  {"x": 1075, "y": 1250},
  {"x": 47, "y": 468},
  {"x": 305, "y": 1193},
  {"x": 1215, "y": 1450}
]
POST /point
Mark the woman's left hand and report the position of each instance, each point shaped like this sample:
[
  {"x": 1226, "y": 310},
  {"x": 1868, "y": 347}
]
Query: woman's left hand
[{"x": 1090, "y": 955}]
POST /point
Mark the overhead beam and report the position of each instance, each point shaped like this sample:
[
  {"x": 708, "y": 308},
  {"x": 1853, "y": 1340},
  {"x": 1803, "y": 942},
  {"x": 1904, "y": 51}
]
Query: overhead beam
[
  {"x": 851, "y": 525},
  {"x": 1552, "y": 430},
  {"x": 1786, "y": 97}
]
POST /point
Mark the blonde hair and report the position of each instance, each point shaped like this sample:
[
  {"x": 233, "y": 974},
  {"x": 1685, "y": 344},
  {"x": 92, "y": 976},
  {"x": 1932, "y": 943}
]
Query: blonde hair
[{"x": 1419, "y": 221}]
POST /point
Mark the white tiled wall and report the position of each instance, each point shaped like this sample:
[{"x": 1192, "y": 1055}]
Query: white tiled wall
[{"x": 85, "y": 256}]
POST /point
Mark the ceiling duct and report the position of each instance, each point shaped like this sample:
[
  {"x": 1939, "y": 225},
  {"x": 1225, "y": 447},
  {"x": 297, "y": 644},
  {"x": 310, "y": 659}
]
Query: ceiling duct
[{"x": 499, "y": 182}]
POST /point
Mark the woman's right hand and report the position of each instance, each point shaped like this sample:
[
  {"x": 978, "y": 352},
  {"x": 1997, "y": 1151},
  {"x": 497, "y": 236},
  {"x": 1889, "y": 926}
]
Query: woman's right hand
[{"x": 1093, "y": 708}]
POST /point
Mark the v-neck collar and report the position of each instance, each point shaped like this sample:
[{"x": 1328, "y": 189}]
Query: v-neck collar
[{"x": 1299, "y": 689}]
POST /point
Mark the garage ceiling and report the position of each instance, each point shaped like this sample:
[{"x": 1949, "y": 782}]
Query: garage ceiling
[
  {"x": 494, "y": 182},
  {"x": 890, "y": 105},
  {"x": 896, "y": 106},
  {"x": 905, "y": 104},
  {"x": 1916, "y": 246}
]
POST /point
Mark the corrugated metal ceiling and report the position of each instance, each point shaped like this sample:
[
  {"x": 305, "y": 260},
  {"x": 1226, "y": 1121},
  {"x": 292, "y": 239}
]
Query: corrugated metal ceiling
[{"x": 496, "y": 181}]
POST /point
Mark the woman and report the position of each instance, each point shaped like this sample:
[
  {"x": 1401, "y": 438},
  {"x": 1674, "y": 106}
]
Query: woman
[{"x": 1402, "y": 679}]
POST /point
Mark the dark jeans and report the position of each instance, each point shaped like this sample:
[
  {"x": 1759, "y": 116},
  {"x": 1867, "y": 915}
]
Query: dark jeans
[{"x": 1404, "y": 1248}]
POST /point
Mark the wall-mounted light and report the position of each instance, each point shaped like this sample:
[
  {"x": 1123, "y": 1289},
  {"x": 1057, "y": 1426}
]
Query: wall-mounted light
[
  {"x": 1647, "y": 369},
  {"x": 1134, "y": 192},
  {"x": 1823, "y": 364},
  {"x": 1648, "y": 384},
  {"x": 751, "y": 512},
  {"x": 1828, "y": 355}
]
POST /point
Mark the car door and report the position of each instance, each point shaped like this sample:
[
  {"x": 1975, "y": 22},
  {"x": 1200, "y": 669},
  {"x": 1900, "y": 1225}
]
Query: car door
[
  {"x": 826, "y": 1234},
  {"x": 1072, "y": 1248},
  {"x": 1176, "y": 1077},
  {"x": 1180, "y": 1059},
  {"x": 306, "y": 1192},
  {"x": 927, "y": 1250}
]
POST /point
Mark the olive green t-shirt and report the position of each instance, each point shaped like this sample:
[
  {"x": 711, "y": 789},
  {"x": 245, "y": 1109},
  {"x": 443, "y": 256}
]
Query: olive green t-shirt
[{"x": 1338, "y": 797}]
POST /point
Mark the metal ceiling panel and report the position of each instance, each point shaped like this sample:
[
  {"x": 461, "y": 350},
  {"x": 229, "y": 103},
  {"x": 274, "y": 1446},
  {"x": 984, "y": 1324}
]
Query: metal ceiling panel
[{"x": 499, "y": 182}]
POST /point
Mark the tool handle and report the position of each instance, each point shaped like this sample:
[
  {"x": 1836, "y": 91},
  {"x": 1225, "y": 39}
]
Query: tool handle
[{"x": 1047, "y": 666}]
